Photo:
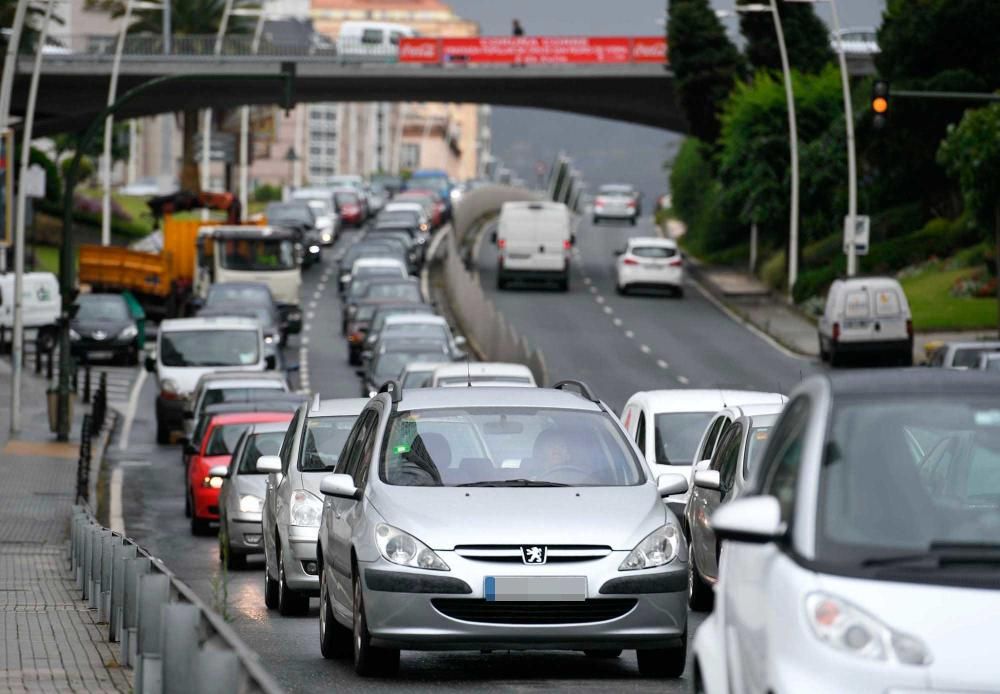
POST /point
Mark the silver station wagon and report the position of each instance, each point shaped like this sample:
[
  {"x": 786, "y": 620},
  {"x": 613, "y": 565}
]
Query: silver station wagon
[{"x": 507, "y": 518}]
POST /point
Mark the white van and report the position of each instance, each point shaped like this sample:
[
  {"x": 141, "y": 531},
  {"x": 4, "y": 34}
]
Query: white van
[
  {"x": 41, "y": 306},
  {"x": 866, "y": 316},
  {"x": 533, "y": 242},
  {"x": 371, "y": 38}
]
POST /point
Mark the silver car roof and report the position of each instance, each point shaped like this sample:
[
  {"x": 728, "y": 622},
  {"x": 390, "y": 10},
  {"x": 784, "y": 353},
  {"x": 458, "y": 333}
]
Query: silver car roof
[
  {"x": 488, "y": 396},
  {"x": 337, "y": 407}
]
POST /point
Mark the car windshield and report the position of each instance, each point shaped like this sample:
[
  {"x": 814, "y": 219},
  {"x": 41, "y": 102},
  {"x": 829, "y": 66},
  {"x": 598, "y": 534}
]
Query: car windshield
[
  {"x": 238, "y": 294},
  {"x": 389, "y": 364},
  {"x": 290, "y": 213},
  {"x": 394, "y": 290},
  {"x": 906, "y": 475},
  {"x": 257, "y": 255},
  {"x": 968, "y": 357},
  {"x": 507, "y": 447},
  {"x": 102, "y": 308},
  {"x": 756, "y": 443},
  {"x": 677, "y": 436},
  {"x": 262, "y": 314},
  {"x": 325, "y": 438},
  {"x": 222, "y": 439},
  {"x": 417, "y": 379},
  {"x": 268, "y": 443},
  {"x": 319, "y": 206},
  {"x": 217, "y": 395},
  {"x": 379, "y": 318},
  {"x": 209, "y": 347}
]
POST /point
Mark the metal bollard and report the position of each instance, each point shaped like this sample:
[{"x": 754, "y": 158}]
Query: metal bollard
[
  {"x": 217, "y": 670},
  {"x": 128, "y": 636},
  {"x": 154, "y": 593},
  {"x": 86, "y": 381},
  {"x": 107, "y": 566},
  {"x": 38, "y": 359},
  {"x": 123, "y": 552},
  {"x": 48, "y": 366},
  {"x": 179, "y": 638},
  {"x": 88, "y": 552},
  {"x": 94, "y": 593}
]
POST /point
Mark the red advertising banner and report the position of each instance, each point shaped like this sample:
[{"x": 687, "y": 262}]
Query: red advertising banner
[{"x": 535, "y": 50}]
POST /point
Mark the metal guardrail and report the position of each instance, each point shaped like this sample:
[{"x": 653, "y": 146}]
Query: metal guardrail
[{"x": 174, "y": 642}]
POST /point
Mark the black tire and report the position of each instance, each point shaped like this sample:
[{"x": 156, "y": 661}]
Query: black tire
[
  {"x": 823, "y": 354},
  {"x": 700, "y": 595},
  {"x": 633, "y": 221},
  {"x": 564, "y": 284},
  {"x": 199, "y": 526},
  {"x": 835, "y": 359},
  {"x": 501, "y": 282},
  {"x": 663, "y": 662},
  {"x": 619, "y": 289},
  {"x": 46, "y": 339},
  {"x": 235, "y": 561},
  {"x": 679, "y": 292},
  {"x": 604, "y": 653},
  {"x": 335, "y": 641},
  {"x": 596, "y": 220},
  {"x": 291, "y": 603},
  {"x": 187, "y": 505},
  {"x": 270, "y": 590},
  {"x": 369, "y": 661},
  {"x": 162, "y": 433}
]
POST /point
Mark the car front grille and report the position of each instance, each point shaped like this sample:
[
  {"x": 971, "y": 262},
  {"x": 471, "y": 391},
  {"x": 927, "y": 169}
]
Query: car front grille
[
  {"x": 529, "y": 612},
  {"x": 513, "y": 554}
]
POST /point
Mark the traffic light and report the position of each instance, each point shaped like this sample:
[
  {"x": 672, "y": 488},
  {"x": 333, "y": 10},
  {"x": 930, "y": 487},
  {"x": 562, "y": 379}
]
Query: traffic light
[{"x": 880, "y": 102}]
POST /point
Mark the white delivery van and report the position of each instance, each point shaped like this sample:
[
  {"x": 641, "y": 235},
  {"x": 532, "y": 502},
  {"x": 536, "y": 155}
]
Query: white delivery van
[
  {"x": 41, "y": 305},
  {"x": 371, "y": 39},
  {"x": 866, "y": 317},
  {"x": 533, "y": 242}
]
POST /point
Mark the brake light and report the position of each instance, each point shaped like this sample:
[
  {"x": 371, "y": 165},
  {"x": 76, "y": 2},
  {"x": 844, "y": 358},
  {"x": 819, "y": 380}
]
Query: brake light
[
  {"x": 675, "y": 261},
  {"x": 501, "y": 244},
  {"x": 169, "y": 395},
  {"x": 909, "y": 327},
  {"x": 567, "y": 244},
  {"x": 355, "y": 337},
  {"x": 630, "y": 261},
  {"x": 631, "y": 203},
  {"x": 836, "y": 331}
]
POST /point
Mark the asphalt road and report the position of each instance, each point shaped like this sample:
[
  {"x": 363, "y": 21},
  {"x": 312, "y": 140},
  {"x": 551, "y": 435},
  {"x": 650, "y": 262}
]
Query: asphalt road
[
  {"x": 153, "y": 499},
  {"x": 622, "y": 344}
]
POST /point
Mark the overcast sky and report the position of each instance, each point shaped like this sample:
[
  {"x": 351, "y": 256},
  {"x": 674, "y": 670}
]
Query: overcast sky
[{"x": 603, "y": 150}]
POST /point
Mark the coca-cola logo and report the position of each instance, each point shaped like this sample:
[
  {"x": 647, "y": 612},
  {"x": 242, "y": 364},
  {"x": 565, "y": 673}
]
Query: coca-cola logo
[
  {"x": 650, "y": 50},
  {"x": 418, "y": 50}
]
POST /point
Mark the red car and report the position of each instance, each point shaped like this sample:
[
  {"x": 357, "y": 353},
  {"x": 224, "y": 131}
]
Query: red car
[
  {"x": 221, "y": 435},
  {"x": 350, "y": 207}
]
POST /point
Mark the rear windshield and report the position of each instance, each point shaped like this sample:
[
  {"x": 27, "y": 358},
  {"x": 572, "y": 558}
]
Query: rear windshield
[
  {"x": 856, "y": 304},
  {"x": 499, "y": 380},
  {"x": 677, "y": 436},
  {"x": 237, "y": 294},
  {"x": 260, "y": 445},
  {"x": 223, "y": 439},
  {"x": 653, "y": 252},
  {"x": 325, "y": 438},
  {"x": 406, "y": 292},
  {"x": 217, "y": 395}
]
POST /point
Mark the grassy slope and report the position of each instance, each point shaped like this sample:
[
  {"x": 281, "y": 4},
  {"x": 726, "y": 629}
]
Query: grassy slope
[{"x": 934, "y": 308}]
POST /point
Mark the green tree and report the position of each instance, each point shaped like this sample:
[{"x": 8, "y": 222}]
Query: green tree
[
  {"x": 806, "y": 38},
  {"x": 705, "y": 63},
  {"x": 971, "y": 154},
  {"x": 187, "y": 18}
]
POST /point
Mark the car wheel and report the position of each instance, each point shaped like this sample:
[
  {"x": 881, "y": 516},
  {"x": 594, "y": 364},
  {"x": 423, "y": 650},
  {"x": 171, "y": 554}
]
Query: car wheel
[
  {"x": 663, "y": 662},
  {"x": 235, "y": 561},
  {"x": 199, "y": 526},
  {"x": 290, "y": 602},
  {"x": 603, "y": 652},
  {"x": 162, "y": 433},
  {"x": 700, "y": 595},
  {"x": 335, "y": 641},
  {"x": 187, "y": 505},
  {"x": 679, "y": 292},
  {"x": 501, "y": 282},
  {"x": 835, "y": 359},
  {"x": 633, "y": 221},
  {"x": 270, "y": 587},
  {"x": 597, "y": 220},
  {"x": 823, "y": 355},
  {"x": 369, "y": 661},
  {"x": 564, "y": 284},
  {"x": 46, "y": 340}
]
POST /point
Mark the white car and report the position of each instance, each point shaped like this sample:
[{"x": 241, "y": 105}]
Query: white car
[
  {"x": 225, "y": 386},
  {"x": 482, "y": 374},
  {"x": 422, "y": 325},
  {"x": 189, "y": 348},
  {"x": 533, "y": 242},
  {"x": 383, "y": 267},
  {"x": 41, "y": 305},
  {"x": 650, "y": 262},
  {"x": 415, "y": 207},
  {"x": 866, "y": 317},
  {"x": 616, "y": 201},
  {"x": 963, "y": 355},
  {"x": 418, "y": 374},
  {"x": 864, "y": 556},
  {"x": 321, "y": 202},
  {"x": 671, "y": 427}
]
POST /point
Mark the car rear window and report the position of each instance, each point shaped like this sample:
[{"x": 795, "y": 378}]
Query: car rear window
[
  {"x": 217, "y": 395},
  {"x": 653, "y": 252},
  {"x": 677, "y": 436},
  {"x": 856, "y": 304},
  {"x": 886, "y": 302},
  {"x": 325, "y": 438},
  {"x": 223, "y": 439},
  {"x": 268, "y": 443}
]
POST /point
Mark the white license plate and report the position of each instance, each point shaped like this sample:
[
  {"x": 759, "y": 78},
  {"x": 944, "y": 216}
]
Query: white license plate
[
  {"x": 856, "y": 323},
  {"x": 535, "y": 588},
  {"x": 100, "y": 354},
  {"x": 655, "y": 266},
  {"x": 519, "y": 256}
]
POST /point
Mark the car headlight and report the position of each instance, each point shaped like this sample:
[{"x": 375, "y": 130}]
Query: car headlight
[
  {"x": 269, "y": 339},
  {"x": 73, "y": 335},
  {"x": 372, "y": 393},
  {"x": 210, "y": 482},
  {"x": 251, "y": 504},
  {"x": 314, "y": 249},
  {"x": 130, "y": 332},
  {"x": 849, "y": 629},
  {"x": 327, "y": 237},
  {"x": 656, "y": 549},
  {"x": 404, "y": 549},
  {"x": 305, "y": 509}
]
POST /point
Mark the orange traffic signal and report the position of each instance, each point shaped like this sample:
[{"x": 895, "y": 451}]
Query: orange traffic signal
[{"x": 880, "y": 102}]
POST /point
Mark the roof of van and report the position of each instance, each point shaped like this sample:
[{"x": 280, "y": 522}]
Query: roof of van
[
  {"x": 532, "y": 205},
  {"x": 701, "y": 400},
  {"x": 212, "y": 323}
]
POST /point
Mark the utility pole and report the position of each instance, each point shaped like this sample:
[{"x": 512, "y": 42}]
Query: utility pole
[
  {"x": 167, "y": 119},
  {"x": 793, "y": 222},
  {"x": 7, "y": 84},
  {"x": 206, "y": 129},
  {"x": 109, "y": 124}
]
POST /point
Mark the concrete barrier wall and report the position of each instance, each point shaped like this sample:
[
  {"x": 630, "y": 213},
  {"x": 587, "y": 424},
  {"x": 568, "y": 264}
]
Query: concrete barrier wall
[{"x": 486, "y": 329}]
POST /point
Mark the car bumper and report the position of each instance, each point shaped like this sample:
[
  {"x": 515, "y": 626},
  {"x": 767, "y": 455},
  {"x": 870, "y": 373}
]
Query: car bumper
[
  {"x": 875, "y": 347},
  {"x": 300, "y": 550},
  {"x": 206, "y": 503},
  {"x": 402, "y": 612},
  {"x": 244, "y": 532},
  {"x": 88, "y": 347},
  {"x": 661, "y": 277},
  {"x": 615, "y": 213},
  {"x": 508, "y": 273}
]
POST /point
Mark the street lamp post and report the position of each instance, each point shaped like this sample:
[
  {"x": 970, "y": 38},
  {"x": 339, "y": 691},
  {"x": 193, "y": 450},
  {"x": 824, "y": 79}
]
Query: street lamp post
[
  {"x": 7, "y": 84},
  {"x": 245, "y": 112},
  {"x": 206, "y": 128}
]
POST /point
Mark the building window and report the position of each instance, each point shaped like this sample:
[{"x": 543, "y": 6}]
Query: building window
[{"x": 409, "y": 155}]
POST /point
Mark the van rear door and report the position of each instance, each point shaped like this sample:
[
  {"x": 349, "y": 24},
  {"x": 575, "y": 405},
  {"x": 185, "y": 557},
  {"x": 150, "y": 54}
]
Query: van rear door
[
  {"x": 536, "y": 238},
  {"x": 40, "y": 299}
]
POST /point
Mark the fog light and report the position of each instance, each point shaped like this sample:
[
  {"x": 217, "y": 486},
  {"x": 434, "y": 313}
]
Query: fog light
[
  {"x": 252, "y": 539},
  {"x": 310, "y": 568},
  {"x": 327, "y": 238}
]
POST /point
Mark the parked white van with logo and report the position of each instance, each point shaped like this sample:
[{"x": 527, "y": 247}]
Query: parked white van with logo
[
  {"x": 533, "y": 243},
  {"x": 866, "y": 317},
  {"x": 41, "y": 306}
]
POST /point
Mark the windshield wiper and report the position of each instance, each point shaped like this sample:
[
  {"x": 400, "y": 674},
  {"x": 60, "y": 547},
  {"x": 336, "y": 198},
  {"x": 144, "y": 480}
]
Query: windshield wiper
[
  {"x": 514, "y": 483},
  {"x": 940, "y": 554}
]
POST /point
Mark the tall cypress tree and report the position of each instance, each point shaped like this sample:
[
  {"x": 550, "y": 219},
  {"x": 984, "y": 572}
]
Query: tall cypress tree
[
  {"x": 705, "y": 64},
  {"x": 806, "y": 37}
]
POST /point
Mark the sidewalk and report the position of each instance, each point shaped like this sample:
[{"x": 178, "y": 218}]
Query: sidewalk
[{"x": 52, "y": 641}]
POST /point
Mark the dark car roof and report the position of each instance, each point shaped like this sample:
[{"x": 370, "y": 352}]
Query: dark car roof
[{"x": 913, "y": 382}]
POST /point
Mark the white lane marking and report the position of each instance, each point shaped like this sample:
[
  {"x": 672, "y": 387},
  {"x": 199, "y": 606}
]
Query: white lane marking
[
  {"x": 310, "y": 315},
  {"x": 617, "y": 322},
  {"x": 593, "y": 290},
  {"x": 599, "y": 299},
  {"x": 116, "y": 519},
  {"x": 321, "y": 287},
  {"x": 644, "y": 349},
  {"x": 586, "y": 280},
  {"x": 312, "y": 304},
  {"x": 608, "y": 310},
  {"x": 662, "y": 364},
  {"x": 683, "y": 379},
  {"x": 317, "y": 295},
  {"x": 629, "y": 334},
  {"x": 304, "y": 341},
  {"x": 306, "y": 327},
  {"x": 133, "y": 404}
]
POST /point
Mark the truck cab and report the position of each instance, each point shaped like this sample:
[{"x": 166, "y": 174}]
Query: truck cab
[{"x": 268, "y": 255}]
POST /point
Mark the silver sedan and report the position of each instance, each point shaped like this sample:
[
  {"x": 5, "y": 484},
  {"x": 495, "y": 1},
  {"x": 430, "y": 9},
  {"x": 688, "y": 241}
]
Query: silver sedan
[{"x": 508, "y": 518}]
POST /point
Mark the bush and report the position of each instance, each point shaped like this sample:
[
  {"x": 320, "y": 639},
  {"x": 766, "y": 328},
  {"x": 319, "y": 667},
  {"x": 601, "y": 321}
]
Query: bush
[
  {"x": 267, "y": 193},
  {"x": 774, "y": 271},
  {"x": 84, "y": 172},
  {"x": 119, "y": 227}
]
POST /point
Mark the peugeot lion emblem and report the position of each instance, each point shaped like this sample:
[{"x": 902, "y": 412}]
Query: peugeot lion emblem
[
  {"x": 99, "y": 334},
  {"x": 533, "y": 554}
]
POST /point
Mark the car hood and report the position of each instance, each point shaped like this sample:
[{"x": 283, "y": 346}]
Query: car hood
[
  {"x": 444, "y": 517},
  {"x": 961, "y": 659},
  {"x": 251, "y": 484}
]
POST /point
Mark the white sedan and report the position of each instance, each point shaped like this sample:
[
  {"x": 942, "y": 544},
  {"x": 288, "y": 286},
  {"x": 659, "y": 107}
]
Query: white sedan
[{"x": 650, "y": 262}]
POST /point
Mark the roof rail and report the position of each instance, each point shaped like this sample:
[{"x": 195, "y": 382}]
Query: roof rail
[
  {"x": 582, "y": 388},
  {"x": 393, "y": 389},
  {"x": 316, "y": 403}
]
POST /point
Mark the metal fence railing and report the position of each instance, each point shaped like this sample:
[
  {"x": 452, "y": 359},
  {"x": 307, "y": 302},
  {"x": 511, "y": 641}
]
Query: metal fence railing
[{"x": 168, "y": 635}]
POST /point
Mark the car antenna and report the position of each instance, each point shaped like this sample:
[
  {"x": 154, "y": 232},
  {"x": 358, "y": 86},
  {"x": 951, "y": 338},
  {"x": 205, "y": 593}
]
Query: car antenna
[{"x": 468, "y": 371}]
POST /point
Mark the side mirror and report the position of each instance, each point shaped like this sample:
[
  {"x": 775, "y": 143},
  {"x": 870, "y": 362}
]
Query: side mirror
[
  {"x": 493, "y": 237},
  {"x": 707, "y": 479},
  {"x": 671, "y": 484},
  {"x": 151, "y": 363},
  {"x": 340, "y": 486},
  {"x": 269, "y": 463},
  {"x": 620, "y": 251},
  {"x": 218, "y": 471},
  {"x": 271, "y": 362},
  {"x": 754, "y": 519},
  {"x": 460, "y": 341}
]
